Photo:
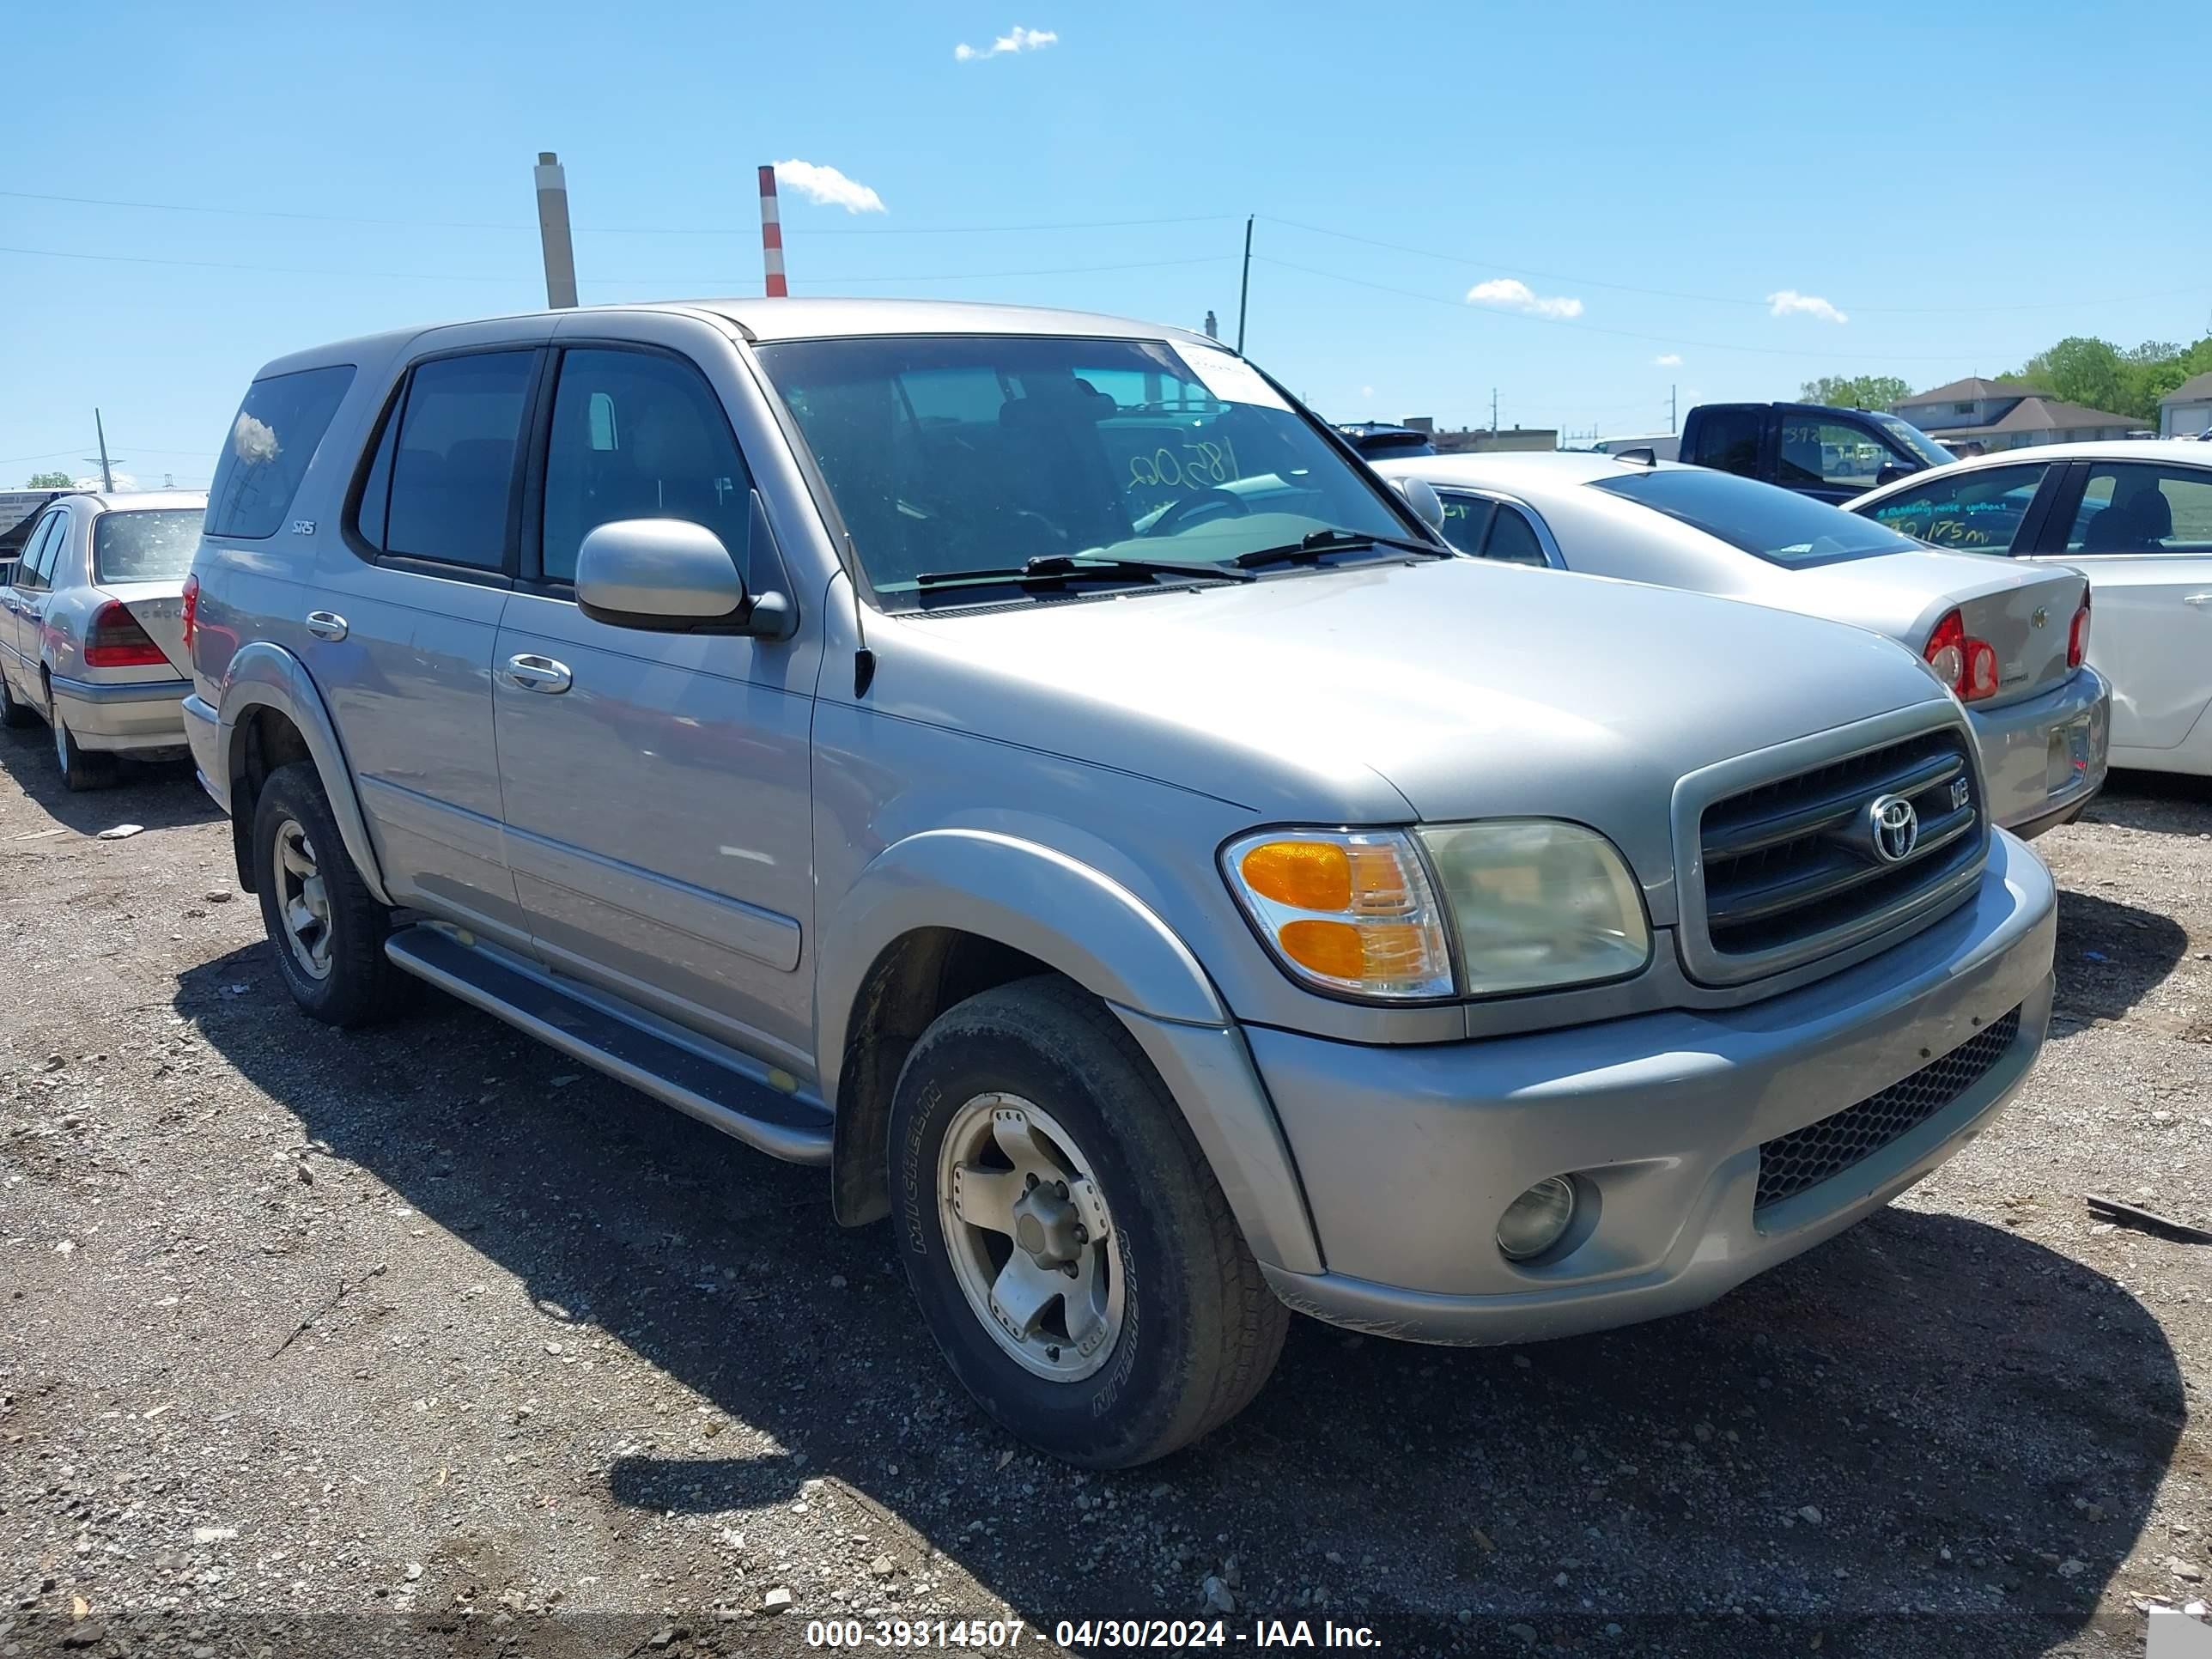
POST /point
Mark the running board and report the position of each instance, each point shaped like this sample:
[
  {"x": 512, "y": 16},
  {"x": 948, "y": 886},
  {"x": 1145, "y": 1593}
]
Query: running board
[{"x": 778, "y": 1124}]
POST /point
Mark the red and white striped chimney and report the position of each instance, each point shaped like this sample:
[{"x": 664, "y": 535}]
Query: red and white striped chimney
[{"x": 772, "y": 238}]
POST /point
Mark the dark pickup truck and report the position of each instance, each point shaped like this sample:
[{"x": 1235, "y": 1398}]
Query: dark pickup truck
[{"x": 1816, "y": 449}]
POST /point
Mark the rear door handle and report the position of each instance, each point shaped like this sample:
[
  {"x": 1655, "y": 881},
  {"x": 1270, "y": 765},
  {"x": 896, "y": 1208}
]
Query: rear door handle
[
  {"x": 535, "y": 673},
  {"x": 327, "y": 624}
]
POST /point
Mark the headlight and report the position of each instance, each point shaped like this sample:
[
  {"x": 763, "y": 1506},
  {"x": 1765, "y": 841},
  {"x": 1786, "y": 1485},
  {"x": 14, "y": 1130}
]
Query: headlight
[
  {"x": 1537, "y": 904},
  {"x": 1529, "y": 904}
]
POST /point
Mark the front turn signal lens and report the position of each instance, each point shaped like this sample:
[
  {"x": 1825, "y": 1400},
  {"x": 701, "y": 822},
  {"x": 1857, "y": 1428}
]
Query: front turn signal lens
[{"x": 1349, "y": 911}]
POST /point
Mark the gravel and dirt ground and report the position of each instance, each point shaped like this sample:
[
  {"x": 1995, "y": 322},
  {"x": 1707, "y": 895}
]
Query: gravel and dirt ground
[{"x": 420, "y": 1340}]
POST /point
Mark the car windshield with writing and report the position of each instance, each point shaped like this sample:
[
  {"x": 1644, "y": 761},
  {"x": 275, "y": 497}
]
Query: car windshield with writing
[
  {"x": 964, "y": 463},
  {"x": 1914, "y": 442},
  {"x": 1778, "y": 525}
]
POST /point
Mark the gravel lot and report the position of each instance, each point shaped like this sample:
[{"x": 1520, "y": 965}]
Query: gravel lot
[{"x": 420, "y": 1341}]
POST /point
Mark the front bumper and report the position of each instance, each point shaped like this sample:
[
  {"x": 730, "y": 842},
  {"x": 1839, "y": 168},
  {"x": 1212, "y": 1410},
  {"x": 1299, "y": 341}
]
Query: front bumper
[
  {"x": 1408, "y": 1156},
  {"x": 2037, "y": 771},
  {"x": 129, "y": 715}
]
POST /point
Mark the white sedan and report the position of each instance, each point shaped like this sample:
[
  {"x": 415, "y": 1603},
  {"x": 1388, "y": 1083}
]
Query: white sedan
[
  {"x": 2010, "y": 642},
  {"x": 91, "y": 628},
  {"x": 2137, "y": 517}
]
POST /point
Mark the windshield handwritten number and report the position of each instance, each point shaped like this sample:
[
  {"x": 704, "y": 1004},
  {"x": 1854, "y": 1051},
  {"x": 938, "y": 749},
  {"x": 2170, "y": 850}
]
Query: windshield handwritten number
[{"x": 1203, "y": 464}]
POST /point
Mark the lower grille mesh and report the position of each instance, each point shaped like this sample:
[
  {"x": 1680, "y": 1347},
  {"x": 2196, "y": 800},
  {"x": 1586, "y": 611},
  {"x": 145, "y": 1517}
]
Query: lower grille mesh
[{"x": 1805, "y": 1157}]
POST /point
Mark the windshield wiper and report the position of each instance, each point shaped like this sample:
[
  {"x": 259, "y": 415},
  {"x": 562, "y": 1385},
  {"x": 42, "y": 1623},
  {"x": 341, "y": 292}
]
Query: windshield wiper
[
  {"x": 1318, "y": 543},
  {"x": 1061, "y": 567}
]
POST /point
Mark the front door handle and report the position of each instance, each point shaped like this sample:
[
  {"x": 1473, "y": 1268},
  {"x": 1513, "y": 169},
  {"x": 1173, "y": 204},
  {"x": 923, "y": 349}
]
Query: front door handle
[
  {"x": 535, "y": 673},
  {"x": 327, "y": 624}
]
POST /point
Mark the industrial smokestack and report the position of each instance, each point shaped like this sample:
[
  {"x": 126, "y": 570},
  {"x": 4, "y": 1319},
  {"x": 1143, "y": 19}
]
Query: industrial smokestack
[{"x": 772, "y": 238}]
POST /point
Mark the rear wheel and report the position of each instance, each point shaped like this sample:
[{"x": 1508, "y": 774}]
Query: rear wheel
[
  {"x": 1071, "y": 1250},
  {"x": 81, "y": 768},
  {"x": 328, "y": 932}
]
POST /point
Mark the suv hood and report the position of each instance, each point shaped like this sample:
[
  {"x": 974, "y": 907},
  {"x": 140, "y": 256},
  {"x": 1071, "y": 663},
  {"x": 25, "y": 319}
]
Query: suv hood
[{"x": 1438, "y": 691}]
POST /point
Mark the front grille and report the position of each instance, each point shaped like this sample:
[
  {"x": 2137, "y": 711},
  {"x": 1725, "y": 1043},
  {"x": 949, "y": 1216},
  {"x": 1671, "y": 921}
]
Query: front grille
[
  {"x": 1805, "y": 1157},
  {"x": 1794, "y": 861}
]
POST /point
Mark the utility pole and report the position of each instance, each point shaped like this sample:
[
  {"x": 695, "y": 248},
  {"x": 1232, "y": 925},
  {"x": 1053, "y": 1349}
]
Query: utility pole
[
  {"x": 1493, "y": 411},
  {"x": 1670, "y": 410},
  {"x": 1244, "y": 286},
  {"x": 553, "y": 231},
  {"x": 107, "y": 471}
]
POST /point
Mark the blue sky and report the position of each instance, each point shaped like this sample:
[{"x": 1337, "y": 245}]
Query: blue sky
[{"x": 1649, "y": 176}]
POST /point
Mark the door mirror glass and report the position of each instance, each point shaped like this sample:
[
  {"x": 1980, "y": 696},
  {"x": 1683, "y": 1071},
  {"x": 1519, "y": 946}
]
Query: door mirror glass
[
  {"x": 665, "y": 574},
  {"x": 1892, "y": 472},
  {"x": 1422, "y": 500}
]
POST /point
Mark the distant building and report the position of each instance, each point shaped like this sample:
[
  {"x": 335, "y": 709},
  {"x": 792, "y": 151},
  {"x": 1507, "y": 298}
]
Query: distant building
[
  {"x": 2186, "y": 412},
  {"x": 1991, "y": 415},
  {"x": 1478, "y": 440}
]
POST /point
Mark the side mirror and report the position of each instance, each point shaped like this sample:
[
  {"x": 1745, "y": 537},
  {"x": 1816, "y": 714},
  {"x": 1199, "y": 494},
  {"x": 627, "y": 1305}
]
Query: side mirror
[
  {"x": 670, "y": 575},
  {"x": 1422, "y": 500},
  {"x": 1891, "y": 471}
]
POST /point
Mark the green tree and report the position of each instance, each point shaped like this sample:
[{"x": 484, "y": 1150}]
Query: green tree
[
  {"x": 1856, "y": 391},
  {"x": 2082, "y": 370},
  {"x": 56, "y": 481}
]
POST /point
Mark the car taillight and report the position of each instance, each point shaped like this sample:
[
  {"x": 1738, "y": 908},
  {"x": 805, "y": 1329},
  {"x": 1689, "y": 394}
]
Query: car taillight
[
  {"x": 2077, "y": 638},
  {"x": 116, "y": 640},
  {"x": 1966, "y": 664},
  {"x": 192, "y": 608}
]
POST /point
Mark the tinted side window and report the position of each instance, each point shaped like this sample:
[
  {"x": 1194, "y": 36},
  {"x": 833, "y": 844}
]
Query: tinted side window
[
  {"x": 26, "y": 567},
  {"x": 1727, "y": 438},
  {"x": 269, "y": 446},
  {"x": 1467, "y": 521},
  {"x": 1977, "y": 512},
  {"x": 376, "y": 490},
  {"x": 47, "y": 553},
  {"x": 453, "y": 473},
  {"x": 1513, "y": 540},
  {"x": 2143, "y": 509},
  {"x": 639, "y": 436}
]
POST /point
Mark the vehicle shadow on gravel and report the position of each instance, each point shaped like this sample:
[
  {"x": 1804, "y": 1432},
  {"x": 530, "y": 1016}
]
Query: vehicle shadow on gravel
[
  {"x": 2160, "y": 803},
  {"x": 1926, "y": 1416},
  {"x": 2110, "y": 956},
  {"x": 160, "y": 796}
]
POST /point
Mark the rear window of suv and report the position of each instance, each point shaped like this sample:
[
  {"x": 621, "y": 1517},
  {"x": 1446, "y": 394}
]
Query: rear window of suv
[
  {"x": 147, "y": 544},
  {"x": 266, "y": 452}
]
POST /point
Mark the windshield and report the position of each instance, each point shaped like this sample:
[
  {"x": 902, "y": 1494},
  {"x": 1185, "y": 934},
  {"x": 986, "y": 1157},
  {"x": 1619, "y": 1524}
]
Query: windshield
[
  {"x": 147, "y": 544},
  {"x": 949, "y": 454},
  {"x": 1778, "y": 525},
  {"x": 1916, "y": 441}
]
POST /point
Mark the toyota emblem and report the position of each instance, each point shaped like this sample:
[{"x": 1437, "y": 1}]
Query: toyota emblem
[{"x": 1895, "y": 827}]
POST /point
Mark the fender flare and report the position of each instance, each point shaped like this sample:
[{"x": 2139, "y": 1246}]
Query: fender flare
[
  {"x": 263, "y": 675},
  {"x": 1022, "y": 894}
]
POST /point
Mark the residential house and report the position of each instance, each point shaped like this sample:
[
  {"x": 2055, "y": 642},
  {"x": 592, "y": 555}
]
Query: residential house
[
  {"x": 1974, "y": 415},
  {"x": 2186, "y": 412}
]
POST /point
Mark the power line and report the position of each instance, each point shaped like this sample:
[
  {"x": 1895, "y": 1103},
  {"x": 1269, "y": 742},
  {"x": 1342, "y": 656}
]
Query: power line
[
  {"x": 606, "y": 230},
  {"x": 1710, "y": 299},
  {"x": 621, "y": 281},
  {"x": 1859, "y": 355}
]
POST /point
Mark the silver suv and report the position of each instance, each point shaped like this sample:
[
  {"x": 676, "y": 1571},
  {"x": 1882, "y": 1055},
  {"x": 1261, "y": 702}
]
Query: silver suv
[{"x": 1025, "y": 763}]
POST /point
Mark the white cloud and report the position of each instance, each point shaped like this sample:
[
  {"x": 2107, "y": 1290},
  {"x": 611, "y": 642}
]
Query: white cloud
[
  {"x": 827, "y": 186},
  {"x": 1020, "y": 40},
  {"x": 1367, "y": 392},
  {"x": 1511, "y": 294},
  {"x": 1668, "y": 360},
  {"x": 1789, "y": 301}
]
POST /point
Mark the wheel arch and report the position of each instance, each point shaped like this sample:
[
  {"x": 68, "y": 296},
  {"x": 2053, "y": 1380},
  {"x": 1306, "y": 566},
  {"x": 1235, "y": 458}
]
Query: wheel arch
[
  {"x": 272, "y": 715},
  {"x": 948, "y": 912}
]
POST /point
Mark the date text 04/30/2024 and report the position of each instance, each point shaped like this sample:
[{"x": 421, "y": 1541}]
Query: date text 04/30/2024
[{"x": 1166, "y": 1634}]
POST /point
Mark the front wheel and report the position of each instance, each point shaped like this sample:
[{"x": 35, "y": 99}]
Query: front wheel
[
  {"x": 13, "y": 716},
  {"x": 1072, "y": 1252}
]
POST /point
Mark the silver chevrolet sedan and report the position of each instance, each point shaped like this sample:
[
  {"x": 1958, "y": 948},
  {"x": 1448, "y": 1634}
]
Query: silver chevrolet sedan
[
  {"x": 2010, "y": 640},
  {"x": 91, "y": 628}
]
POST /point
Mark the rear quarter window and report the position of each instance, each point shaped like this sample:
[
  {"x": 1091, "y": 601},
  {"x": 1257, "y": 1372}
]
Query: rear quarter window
[{"x": 267, "y": 451}]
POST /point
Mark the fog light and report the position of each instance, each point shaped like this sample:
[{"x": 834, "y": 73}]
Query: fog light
[{"x": 1537, "y": 1219}]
